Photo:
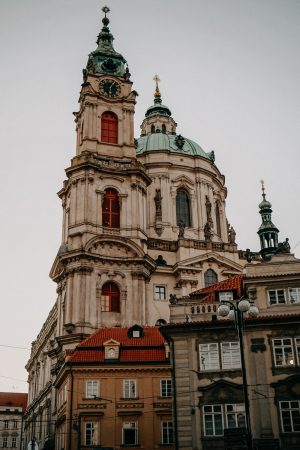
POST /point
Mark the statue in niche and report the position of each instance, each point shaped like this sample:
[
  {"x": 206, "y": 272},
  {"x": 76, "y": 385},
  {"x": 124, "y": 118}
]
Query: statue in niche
[
  {"x": 158, "y": 202},
  {"x": 231, "y": 235},
  {"x": 208, "y": 232},
  {"x": 181, "y": 229},
  {"x": 208, "y": 208}
]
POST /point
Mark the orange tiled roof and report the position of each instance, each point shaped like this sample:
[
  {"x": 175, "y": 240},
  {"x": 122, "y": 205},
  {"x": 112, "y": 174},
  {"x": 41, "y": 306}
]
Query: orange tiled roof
[
  {"x": 209, "y": 293},
  {"x": 149, "y": 348},
  {"x": 13, "y": 399}
]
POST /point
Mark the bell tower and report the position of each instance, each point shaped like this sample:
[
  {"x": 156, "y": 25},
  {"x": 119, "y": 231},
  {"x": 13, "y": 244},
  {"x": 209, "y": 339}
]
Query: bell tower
[
  {"x": 105, "y": 118},
  {"x": 102, "y": 266}
]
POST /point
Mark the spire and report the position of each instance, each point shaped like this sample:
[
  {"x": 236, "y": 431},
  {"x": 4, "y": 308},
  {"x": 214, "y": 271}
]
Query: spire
[
  {"x": 157, "y": 95},
  {"x": 267, "y": 231},
  {"x": 105, "y": 60}
]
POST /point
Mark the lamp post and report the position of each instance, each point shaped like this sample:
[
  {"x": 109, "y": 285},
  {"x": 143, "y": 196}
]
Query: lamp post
[{"x": 235, "y": 311}]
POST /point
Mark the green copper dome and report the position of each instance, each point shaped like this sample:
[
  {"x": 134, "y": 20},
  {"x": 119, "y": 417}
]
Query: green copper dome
[{"x": 171, "y": 143}]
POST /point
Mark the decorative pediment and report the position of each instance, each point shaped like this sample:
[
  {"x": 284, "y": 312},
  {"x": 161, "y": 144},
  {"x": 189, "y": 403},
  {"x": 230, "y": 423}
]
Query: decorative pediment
[
  {"x": 287, "y": 389},
  {"x": 110, "y": 342},
  {"x": 114, "y": 247},
  {"x": 183, "y": 180},
  {"x": 222, "y": 391},
  {"x": 227, "y": 265}
]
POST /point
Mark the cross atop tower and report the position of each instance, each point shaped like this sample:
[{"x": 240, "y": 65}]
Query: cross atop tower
[
  {"x": 157, "y": 80},
  {"x": 263, "y": 189},
  {"x": 106, "y": 10}
]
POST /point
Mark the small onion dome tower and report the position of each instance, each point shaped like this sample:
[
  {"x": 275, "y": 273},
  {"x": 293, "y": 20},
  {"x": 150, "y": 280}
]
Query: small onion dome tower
[{"x": 267, "y": 232}]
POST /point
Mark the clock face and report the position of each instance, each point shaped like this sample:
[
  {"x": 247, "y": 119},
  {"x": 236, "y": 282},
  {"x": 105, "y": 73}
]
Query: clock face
[{"x": 110, "y": 88}]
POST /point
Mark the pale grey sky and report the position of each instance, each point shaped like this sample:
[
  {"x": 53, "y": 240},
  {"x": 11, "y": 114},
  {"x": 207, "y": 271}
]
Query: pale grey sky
[{"x": 230, "y": 72}]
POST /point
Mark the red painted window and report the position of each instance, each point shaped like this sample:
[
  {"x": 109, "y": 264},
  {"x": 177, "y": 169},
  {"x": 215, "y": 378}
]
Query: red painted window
[
  {"x": 109, "y": 128},
  {"x": 111, "y": 209},
  {"x": 110, "y": 298}
]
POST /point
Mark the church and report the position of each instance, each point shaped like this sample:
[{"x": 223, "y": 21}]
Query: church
[{"x": 144, "y": 220}]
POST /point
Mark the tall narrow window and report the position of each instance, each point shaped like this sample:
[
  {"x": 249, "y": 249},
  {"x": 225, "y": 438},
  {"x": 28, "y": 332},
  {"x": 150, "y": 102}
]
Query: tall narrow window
[
  {"x": 111, "y": 209},
  {"x": 152, "y": 129},
  {"x": 210, "y": 277},
  {"x": 218, "y": 220},
  {"x": 109, "y": 128},
  {"x": 163, "y": 128},
  {"x": 110, "y": 298},
  {"x": 183, "y": 214}
]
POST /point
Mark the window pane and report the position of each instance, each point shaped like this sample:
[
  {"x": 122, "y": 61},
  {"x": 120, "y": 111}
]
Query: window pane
[
  {"x": 209, "y": 356},
  {"x": 231, "y": 357},
  {"x": 183, "y": 209}
]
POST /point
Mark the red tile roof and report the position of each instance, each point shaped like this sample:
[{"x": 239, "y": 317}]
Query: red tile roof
[
  {"x": 149, "y": 348},
  {"x": 13, "y": 400},
  {"x": 208, "y": 294}
]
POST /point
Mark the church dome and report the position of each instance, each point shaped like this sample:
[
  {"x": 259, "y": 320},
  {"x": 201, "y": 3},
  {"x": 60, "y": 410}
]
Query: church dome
[{"x": 171, "y": 143}]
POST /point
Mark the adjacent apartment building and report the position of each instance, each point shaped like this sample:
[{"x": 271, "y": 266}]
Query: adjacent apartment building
[
  {"x": 12, "y": 407},
  {"x": 115, "y": 391}
]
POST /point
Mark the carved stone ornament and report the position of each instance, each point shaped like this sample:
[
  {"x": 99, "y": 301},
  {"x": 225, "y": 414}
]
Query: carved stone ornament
[
  {"x": 208, "y": 232},
  {"x": 179, "y": 141},
  {"x": 284, "y": 247}
]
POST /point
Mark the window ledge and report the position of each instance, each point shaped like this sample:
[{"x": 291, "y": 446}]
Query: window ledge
[
  {"x": 228, "y": 373},
  {"x": 278, "y": 370}
]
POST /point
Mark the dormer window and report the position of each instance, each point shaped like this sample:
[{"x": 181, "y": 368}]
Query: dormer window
[
  {"x": 135, "y": 332},
  {"x": 111, "y": 349}
]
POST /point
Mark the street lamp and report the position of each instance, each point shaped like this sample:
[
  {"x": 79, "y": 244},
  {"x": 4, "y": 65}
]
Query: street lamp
[{"x": 235, "y": 311}]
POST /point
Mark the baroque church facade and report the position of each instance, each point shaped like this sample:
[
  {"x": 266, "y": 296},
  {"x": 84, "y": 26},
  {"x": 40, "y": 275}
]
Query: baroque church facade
[{"x": 143, "y": 219}]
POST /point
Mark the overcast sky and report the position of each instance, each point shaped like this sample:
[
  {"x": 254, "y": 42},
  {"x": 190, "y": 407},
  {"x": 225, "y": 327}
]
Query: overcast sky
[{"x": 230, "y": 72}]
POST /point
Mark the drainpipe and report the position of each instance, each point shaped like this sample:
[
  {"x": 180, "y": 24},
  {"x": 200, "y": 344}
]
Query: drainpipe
[
  {"x": 174, "y": 393},
  {"x": 71, "y": 412}
]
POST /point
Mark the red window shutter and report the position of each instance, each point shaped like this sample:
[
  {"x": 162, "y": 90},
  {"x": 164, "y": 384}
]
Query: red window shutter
[
  {"x": 111, "y": 209},
  {"x": 109, "y": 128},
  {"x": 111, "y": 291}
]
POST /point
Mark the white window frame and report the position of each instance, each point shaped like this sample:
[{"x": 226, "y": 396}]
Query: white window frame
[
  {"x": 14, "y": 442},
  {"x": 223, "y": 410},
  {"x": 89, "y": 439},
  {"x": 235, "y": 410},
  {"x": 5, "y": 442},
  {"x": 213, "y": 413},
  {"x": 277, "y": 300},
  {"x": 293, "y": 405},
  {"x": 295, "y": 291},
  {"x": 160, "y": 295},
  {"x": 166, "y": 387},
  {"x": 92, "y": 388},
  {"x": 167, "y": 432},
  {"x": 130, "y": 426},
  {"x": 231, "y": 359},
  {"x": 278, "y": 343},
  {"x": 129, "y": 389},
  {"x": 209, "y": 356}
]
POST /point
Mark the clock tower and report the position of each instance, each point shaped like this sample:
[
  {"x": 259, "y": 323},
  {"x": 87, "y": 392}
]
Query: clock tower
[{"x": 102, "y": 267}]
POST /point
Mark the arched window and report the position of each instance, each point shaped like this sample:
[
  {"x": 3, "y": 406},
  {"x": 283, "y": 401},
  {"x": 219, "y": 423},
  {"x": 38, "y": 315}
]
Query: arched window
[
  {"x": 183, "y": 214},
  {"x": 109, "y": 128},
  {"x": 163, "y": 128},
  {"x": 210, "y": 277},
  {"x": 152, "y": 129},
  {"x": 111, "y": 209},
  {"x": 110, "y": 298},
  {"x": 218, "y": 220}
]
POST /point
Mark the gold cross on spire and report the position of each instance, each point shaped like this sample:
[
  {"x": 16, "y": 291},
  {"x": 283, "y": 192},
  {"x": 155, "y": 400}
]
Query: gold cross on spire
[
  {"x": 263, "y": 188},
  {"x": 157, "y": 80}
]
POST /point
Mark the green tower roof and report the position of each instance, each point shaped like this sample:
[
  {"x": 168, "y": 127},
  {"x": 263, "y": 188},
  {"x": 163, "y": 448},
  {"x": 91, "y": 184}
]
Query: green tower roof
[{"x": 105, "y": 59}]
